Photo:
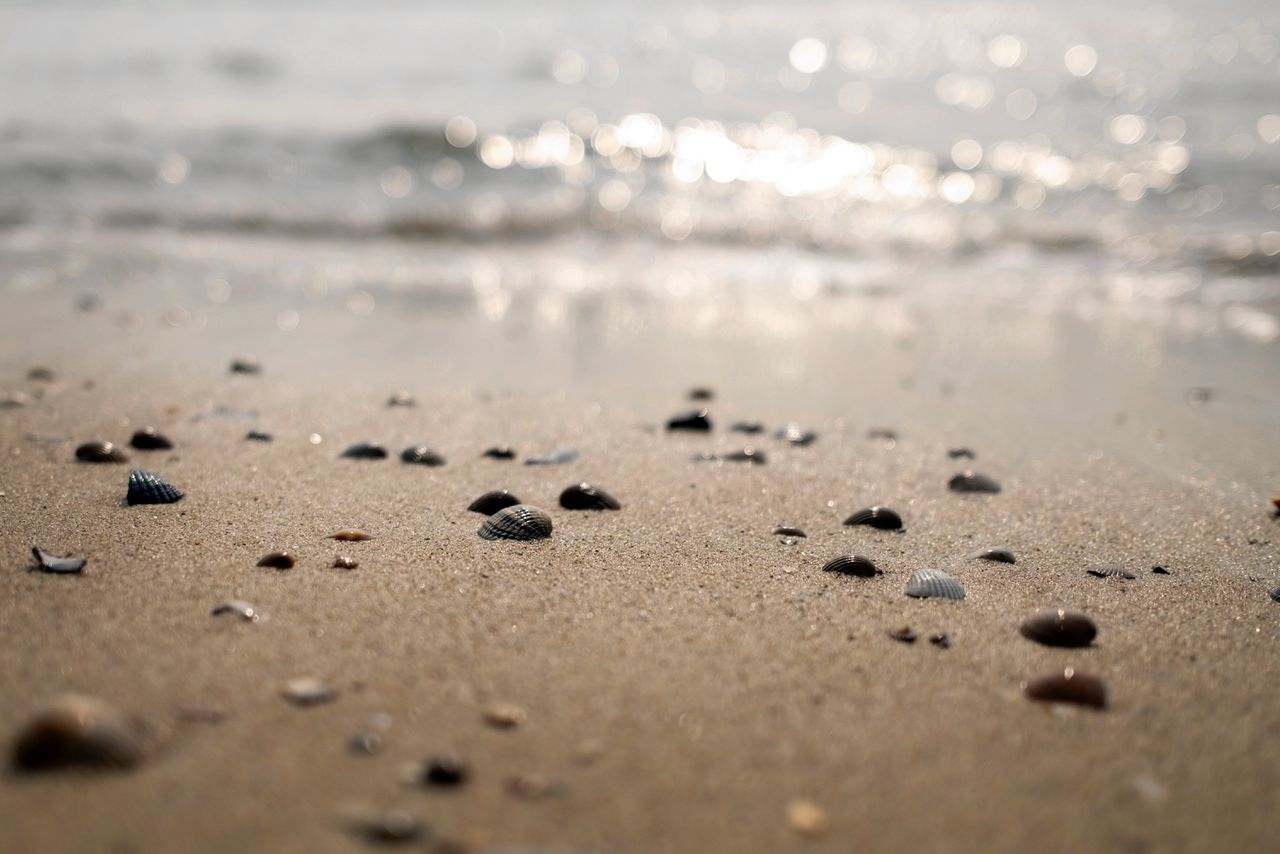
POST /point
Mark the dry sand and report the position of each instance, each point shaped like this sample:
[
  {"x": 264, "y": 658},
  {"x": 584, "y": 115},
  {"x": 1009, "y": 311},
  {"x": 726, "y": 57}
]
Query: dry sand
[{"x": 686, "y": 673}]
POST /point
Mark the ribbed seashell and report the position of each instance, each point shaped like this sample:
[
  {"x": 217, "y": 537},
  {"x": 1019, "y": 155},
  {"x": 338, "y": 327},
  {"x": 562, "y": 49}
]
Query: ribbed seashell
[
  {"x": 500, "y": 452},
  {"x": 401, "y": 398},
  {"x": 49, "y": 563},
  {"x": 999, "y": 555},
  {"x": 278, "y": 560},
  {"x": 959, "y": 453},
  {"x": 493, "y": 501},
  {"x": 246, "y": 365},
  {"x": 240, "y": 608},
  {"x": 584, "y": 496},
  {"x": 76, "y": 731},
  {"x": 746, "y": 455},
  {"x": 518, "y": 522},
  {"x": 258, "y": 436},
  {"x": 877, "y": 517},
  {"x": 748, "y": 427},
  {"x": 934, "y": 584},
  {"x": 365, "y": 451},
  {"x": 1060, "y": 628},
  {"x": 1069, "y": 686},
  {"x": 788, "y": 531},
  {"x": 794, "y": 434},
  {"x": 421, "y": 455},
  {"x": 149, "y": 439},
  {"x": 1111, "y": 572},
  {"x": 693, "y": 420},
  {"x": 149, "y": 488},
  {"x": 862, "y": 567},
  {"x": 101, "y": 452},
  {"x": 350, "y": 535},
  {"x": 972, "y": 481},
  {"x": 307, "y": 691}
]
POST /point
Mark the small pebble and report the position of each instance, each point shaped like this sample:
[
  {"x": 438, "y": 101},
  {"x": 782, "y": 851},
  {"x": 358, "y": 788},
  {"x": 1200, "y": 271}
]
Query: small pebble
[
  {"x": 307, "y": 691},
  {"x": 701, "y": 393},
  {"x": 504, "y": 716},
  {"x": 258, "y": 436},
  {"x": 941, "y": 639},
  {"x": 344, "y": 562},
  {"x": 366, "y": 742},
  {"x": 502, "y": 452},
  {"x": 41, "y": 374},
  {"x": 903, "y": 634},
  {"x": 444, "y": 770},
  {"x": 961, "y": 453},
  {"x": 350, "y": 535},
  {"x": 807, "y": 818},
  {"x": 278, "y": 560}
]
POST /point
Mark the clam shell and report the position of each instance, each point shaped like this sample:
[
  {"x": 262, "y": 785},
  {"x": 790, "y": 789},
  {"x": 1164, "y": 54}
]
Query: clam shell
[
  {"x": 1111, "y": 572},
  {"x": 862, "y": 567},
  {"x": 584, "y": 496},
  {"x": 501, "y": 452},
  {"x": 49, "y": 563},
  {"x": 794, "y": 434},
  {"x": 556, "y": 457},
  {"x": 101, "y": 452},
  {"x": 695, "y": 419},
  {"x": 972, "y": 481},
  {"x": 1060, "y": 628},
  {"x": 421, "y": 455},
  {"x": 365, "y": 451},
  {"x": 278, "y": 560},
  {"x": 877, "y": 517},
  {"x": 240, "y": 608},
  {"x": 999, "y": 555},
  {"x": 149, "y": 439},
  {"x": 934, "y": 584},
  {"x": 148, "y": 488},
  {"x": 492, "y": 502},
  {"x": 1069, "y": 686},
  {"x": 518, "y": 522},
  {"x": 80, "y": 731},
  {"x": 788, "y": 531}
]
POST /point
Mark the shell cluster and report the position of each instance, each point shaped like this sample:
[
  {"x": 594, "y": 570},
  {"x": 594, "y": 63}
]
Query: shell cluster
[{"x": 518, "y": 522}]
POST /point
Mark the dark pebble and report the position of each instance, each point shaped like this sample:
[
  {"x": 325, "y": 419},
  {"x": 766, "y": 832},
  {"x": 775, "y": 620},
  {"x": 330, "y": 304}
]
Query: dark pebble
[
  {"x": 277, "y": 560},
  {"x": 258, "y": 436},
  {"x": 903, "y": 634},
  {"x": 365, "y": 451},
  {"x": 971, "y": 481},
  {"x": 1069, "y": 686},
  {"x": 501, "y": 452},
  {"x": 1060, "y": 628},
  {"x": 694, "y": 420},
  {"x": 445, "y": 770}
]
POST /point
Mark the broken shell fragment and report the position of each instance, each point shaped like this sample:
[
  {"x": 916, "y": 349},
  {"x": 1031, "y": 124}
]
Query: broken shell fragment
[
  {"x": 307, "y": 691},
  {"x": 998, "y": 555},
  {"x": 857, "y": 565},
  {"x": 518, "y": 522},
  {"x": 350, "y": 535},
  {"x": 149, "y": 439},
  {"x": 1112, "y": 572},
  {"x": 971, "y": 481},
  {"x": 1060, "y": 628},
  {"x": 695, "y": 419},
  {"x": 1069, "y": 686},
  {"x": 240, "y": 608},
  {"x": 149, "y": 488},
  {"x": 76, "y": 731},
  {"x": 877, "y": 517},
  {"x": 493, "y": 501},
  {"x": 278, "y": 560},
  {"x": 934, "y": 584},
  {"x": 365, "y": 451},
  {"x": 101, "y": 452},
  {"x": 49, "y": 563},
  {"x": 584, "y": 496},
  {"x": 421, "y": 455}
]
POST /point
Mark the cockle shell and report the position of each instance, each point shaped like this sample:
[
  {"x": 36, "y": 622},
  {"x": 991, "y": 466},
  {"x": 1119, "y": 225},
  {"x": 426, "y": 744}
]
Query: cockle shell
[
  {"x": 518, "y": 522},
  {"x": 584, "y": 496},
  {"x": 101, "y": 452},
  {"x": 148, "y": 488},
  {"x": 862, "y": 567},
  {"x": 493, "y": 501},
  {"x": 877, "y": 517},
  {"x": 934, "y": 584}
]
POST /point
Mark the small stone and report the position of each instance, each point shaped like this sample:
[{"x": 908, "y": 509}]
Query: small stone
[
  {"x": 344, "y": 562},
  {"x": 444, "y": 770},
  {"x": 365, "y": 743},
  {"x": 941, "y": 640},
  {"x": 278, "y": 560},
  {"x": 307, "y": 691},
  {"x": 807, "y": 818},
  {"x": 504, "y": 716},
  {"x": 535, "y": 787},
  {"x": 903, "y": 634}
]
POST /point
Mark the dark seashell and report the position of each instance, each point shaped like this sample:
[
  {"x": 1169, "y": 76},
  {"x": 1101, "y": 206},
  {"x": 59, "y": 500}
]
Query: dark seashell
[
  {"x": 277, "y": 560},
  {"x": 49, "y": 563},
  {"x": 694, "y": 420},
  {"x": 394, "y": 827},
  {"x": 148, "y": 439},
  {"x": 857, "y": 565},
  {"x": 999, "y": 555},
  {"x": 492, "y": 502},
  {"x": 934, "y": 584},
  {"x": 701, "y": 393},
  {"x": 556, "y": 457},
  {"x": 961, "y": 453},
  {"x": 971, "y": 481},
  {"x": 794, "y": 434},
  {"x": 788, "y": 531},
  {"x": 41, "y": 374},
  {"x": 1160, "y": 570},
  {"x": 941, "y": 640},
  {"x": 344, "y": 562},
  {"x": 77, "y": 731},
  {"x": 877, "y": 517},
  {"x": 240, "y": 608},
  {"x": 501, "y": 452},
  {"x": 350, "y": 535},
  {"x": 246, "y": 365},
  {"x": 1060, "y": 628},
  {"x": 749, "y": 427},
  {"x": 444, "y": 770},
  {"x": 1112, "y": 572},
  {"x": 366, "y": 742},
  {"x": 307, "y": 691},
  {"x": 1069, "y": 686},
  {"x": 401, "y": 398},
  {"x": 421, "y": 455},
  {"x": 746, "y": 455},
  {"x": 258, "y": 436},
  {"x": 148, "y": 488},
  {"x": 1275, "y": 595},
  {"x": 518, "y": 522},
  {"x": 584, "y": 496},
  {"x": 365, "y": 451},
  {"x": 101, "y": 452},
  {"x": 903, "y": 634}
]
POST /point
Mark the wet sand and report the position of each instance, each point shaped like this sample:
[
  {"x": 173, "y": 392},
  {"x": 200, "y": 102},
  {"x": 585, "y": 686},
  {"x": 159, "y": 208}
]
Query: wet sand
[{"x": 684, "y": 672}]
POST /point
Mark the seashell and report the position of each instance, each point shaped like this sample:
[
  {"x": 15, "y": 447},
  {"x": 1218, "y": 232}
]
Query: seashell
[
  {"x": 1112, "y": 572},
  {"x": 350, "y": 535},
  {"x": 746, "y": 455},
  {"x": 258, "y": 436},
  {"x": 149, "y": 439},
  {"x": 556, "y": 457},
  {"x": 877, "y": 517},
  {"x": 1275, "y": 595},
  {"x": 504, "y": 716},
  {"x": 101, "y": 452},
  {"x": 794, "y": 434},
  {"x": 148, "y": 488},
  {"x": 365, "y": 451},
  {"x": 344, "y": 562},
  {"x": 49, "y": 563},
  {"x": 1060, "y": 628},
  {"x": 807, "y": 818},
  {"x": 443, "y": 770},
  {"x": 1069, "y": 686},
  {"x": 961, "y": 453},
  {"x": 788, "y": 531},
  {"x": 941, "y": 640},
  {"x": 41, "y": 374},
  {"x": 933, "y": 584},
  {"x": 277, "y": 560},
  {"x": 584, "y": 496},
  {"x": 535, "y": 787},
  {"x": 492, "y": 502},
  {"x": 695, "y": 419},
  {"x": 401, "y": 398},
  {"x": 857, "y": 565},
  {"x": 366, "y": 742},
  {"x": 307, "y": 691},
  {"x": 749, "y": 427},
  {"x": 1160, "y": 570},
  {"x": 76, "y": 731},
  {"x": 903, "y": 634},
  {"x": 971, "y": 481},
  {"x": 246, "y": 365},
  {"x": 240, "y": 608},
  {"x": 392, "y": 826},
  {"x": 517, "y": 522},
  {"x": 421, "y": 455},
  {"x": 500, "y": 452},
  {"x": 999, "y": 555},
  {"x": 701, "y": 393}
]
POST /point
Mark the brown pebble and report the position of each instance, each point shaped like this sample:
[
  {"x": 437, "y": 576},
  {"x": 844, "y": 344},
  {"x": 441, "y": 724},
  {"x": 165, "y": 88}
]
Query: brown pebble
[
  {"x": 504, "y": 716},
  {"x": 1060, "y": 628},
  {"x": 77, "y": 731},
  {"x": 1069, "y": 686},
  {"x": 903, "y": 634},
  {"x": 807, "y": 818},
  {"x": 344, "y": 562},
  {"x": 278, "y": 560},
  {"x": 350, "y": 535}
]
